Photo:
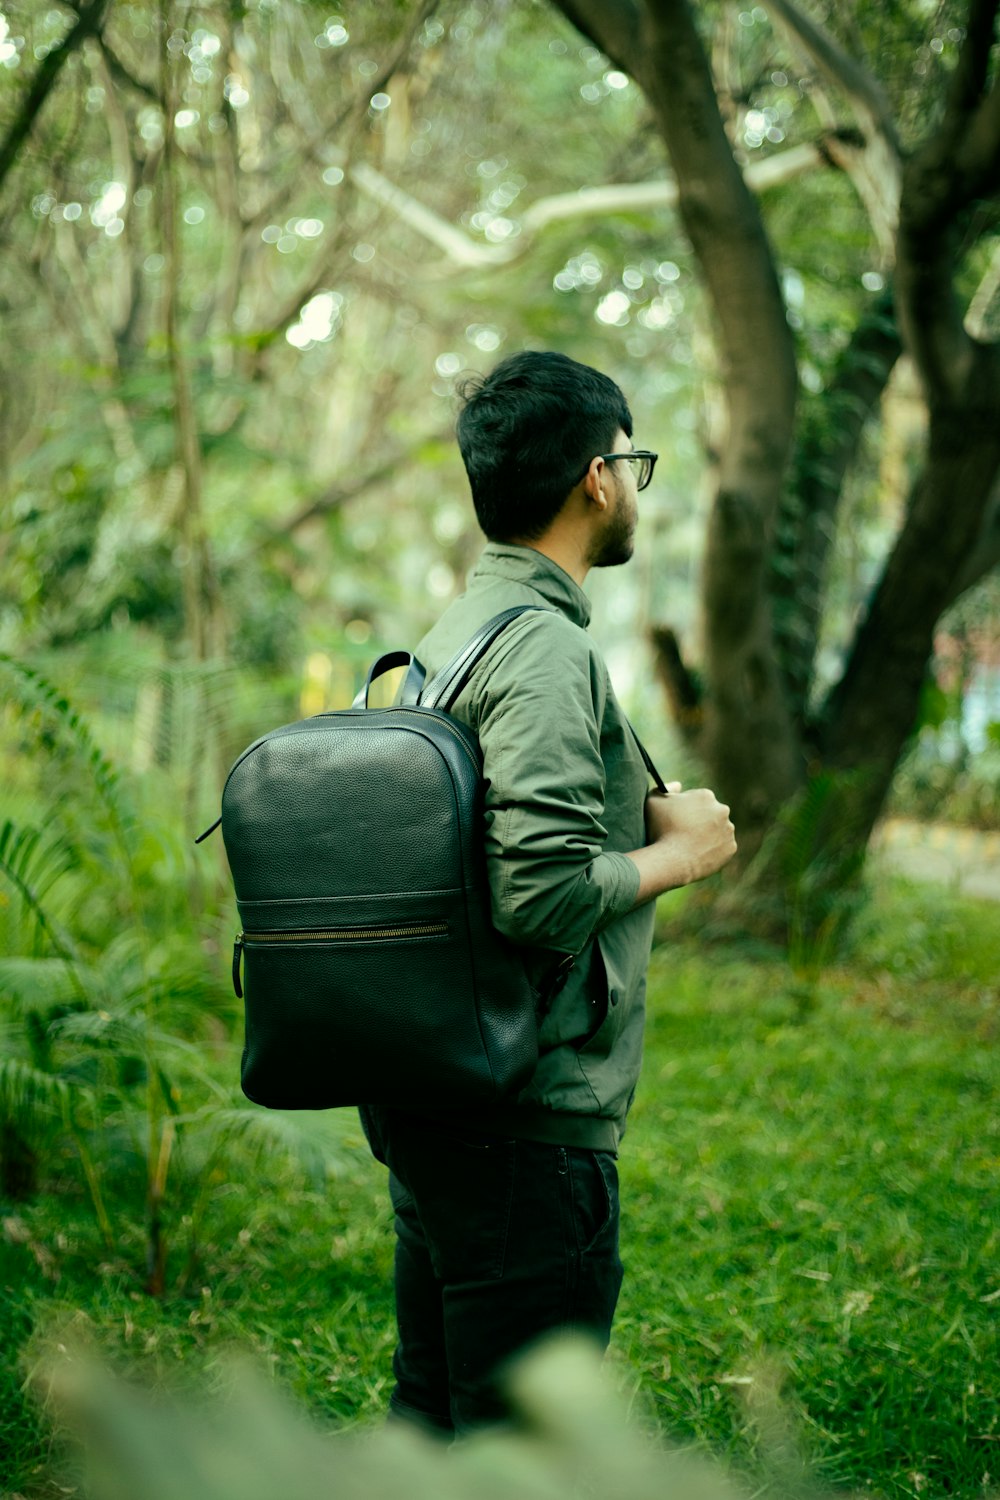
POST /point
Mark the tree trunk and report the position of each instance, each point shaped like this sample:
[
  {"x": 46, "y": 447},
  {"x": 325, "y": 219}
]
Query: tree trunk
[
  {"x": 659, "y": 45},
  {"x": 202, "y": 606},
  {"x": 805, "y": 793}
]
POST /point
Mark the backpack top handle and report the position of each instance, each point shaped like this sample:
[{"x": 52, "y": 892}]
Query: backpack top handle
[{"x": 412, "y": 682}]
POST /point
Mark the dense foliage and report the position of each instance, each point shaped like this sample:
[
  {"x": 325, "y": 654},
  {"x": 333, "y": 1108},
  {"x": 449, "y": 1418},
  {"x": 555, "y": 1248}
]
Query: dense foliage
[{"x": 247, "y": 250}]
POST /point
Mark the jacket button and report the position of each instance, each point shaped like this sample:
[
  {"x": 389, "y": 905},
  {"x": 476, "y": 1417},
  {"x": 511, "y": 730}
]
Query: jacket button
[{"x": 613, "y": 996}]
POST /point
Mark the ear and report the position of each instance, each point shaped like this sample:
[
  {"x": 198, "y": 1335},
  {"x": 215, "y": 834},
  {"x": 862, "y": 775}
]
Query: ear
[{"x": 596, "y": 483}]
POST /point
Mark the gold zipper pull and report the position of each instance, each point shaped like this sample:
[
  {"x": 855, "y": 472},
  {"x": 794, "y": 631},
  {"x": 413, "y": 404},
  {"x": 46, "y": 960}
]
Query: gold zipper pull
[{"x": 237, "y": 954}]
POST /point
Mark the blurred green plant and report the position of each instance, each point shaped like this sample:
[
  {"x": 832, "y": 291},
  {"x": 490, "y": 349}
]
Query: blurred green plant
[
  {"x": 570, "y": 1435},
  {"x": 822, "y": 885},
  {"x": 111, "y": 1008},
  {"x": 936, "y": 785},
  {"x": 815, "y": 1190}
]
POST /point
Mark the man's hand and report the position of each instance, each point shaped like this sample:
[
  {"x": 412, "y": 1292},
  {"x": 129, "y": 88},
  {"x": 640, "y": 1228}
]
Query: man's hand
[{"x": 690, "y": 836}]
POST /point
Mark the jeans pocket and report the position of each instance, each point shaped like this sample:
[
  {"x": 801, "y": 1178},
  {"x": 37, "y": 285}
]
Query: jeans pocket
[
  {"x": 462, "y": 1190},
  {"x": 594, "y": 1176}
]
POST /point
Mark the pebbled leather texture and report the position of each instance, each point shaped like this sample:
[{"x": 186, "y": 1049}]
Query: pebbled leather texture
[{"x": 361, "y": 821}]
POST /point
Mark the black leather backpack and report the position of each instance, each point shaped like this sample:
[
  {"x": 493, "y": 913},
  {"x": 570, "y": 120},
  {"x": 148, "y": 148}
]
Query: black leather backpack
[{"x": 372, "y": 973}]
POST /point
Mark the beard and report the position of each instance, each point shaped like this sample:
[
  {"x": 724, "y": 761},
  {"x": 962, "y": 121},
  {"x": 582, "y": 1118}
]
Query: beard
[{"x": 616, "y": 542}]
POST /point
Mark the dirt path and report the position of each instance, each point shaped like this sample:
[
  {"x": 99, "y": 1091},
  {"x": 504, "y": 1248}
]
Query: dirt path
[{"x": 967, "y": 859}]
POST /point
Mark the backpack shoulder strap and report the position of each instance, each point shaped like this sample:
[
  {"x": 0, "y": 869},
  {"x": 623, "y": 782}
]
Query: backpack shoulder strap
[{"x": 445, "y": 686}]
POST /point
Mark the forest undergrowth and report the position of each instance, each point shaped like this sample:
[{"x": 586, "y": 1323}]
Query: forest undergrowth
[
  {"x": 810, "y": 1228},
  {"x": 810, "y": 1222}
]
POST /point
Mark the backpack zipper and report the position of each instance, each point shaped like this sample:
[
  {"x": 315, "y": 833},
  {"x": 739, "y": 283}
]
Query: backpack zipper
[
  {"x": 448, "y": 723},
  {"x": 331, "y": 935},
  {"x": 442, "y": 717}
]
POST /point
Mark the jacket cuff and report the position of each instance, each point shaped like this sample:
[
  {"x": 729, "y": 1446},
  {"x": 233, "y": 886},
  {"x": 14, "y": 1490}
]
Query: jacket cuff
[{"x": 622, "y": 886}]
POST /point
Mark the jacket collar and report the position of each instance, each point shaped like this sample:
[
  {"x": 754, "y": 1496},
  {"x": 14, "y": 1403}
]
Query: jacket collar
[{"x": 538, "y": 572}]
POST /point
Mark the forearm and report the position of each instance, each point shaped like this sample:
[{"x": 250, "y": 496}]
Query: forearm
[{"x": 661, "y": 868}]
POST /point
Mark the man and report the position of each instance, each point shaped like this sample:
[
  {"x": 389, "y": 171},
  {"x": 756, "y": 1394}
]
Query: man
[{"x": 507, "y": 1221}]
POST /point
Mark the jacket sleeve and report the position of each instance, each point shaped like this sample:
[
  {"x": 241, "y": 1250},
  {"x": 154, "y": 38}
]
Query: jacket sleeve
[{"x": 552, "y": 883}]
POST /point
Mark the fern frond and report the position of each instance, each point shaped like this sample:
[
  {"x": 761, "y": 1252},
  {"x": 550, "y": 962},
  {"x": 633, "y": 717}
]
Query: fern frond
[
  {"x": 40, "y": 984},
  {"x": 37, "y": 692},
  {"x": 40, "y": 858},
  {"x": 18, "y": 848},
  {"x": 29, "y": 1095},
  {"x": 316, "y": 1148},
  {"x": 122, "y": 1033}
]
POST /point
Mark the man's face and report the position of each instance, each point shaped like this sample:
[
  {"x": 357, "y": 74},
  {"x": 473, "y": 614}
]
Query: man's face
[{"x": 615, "y": 543}]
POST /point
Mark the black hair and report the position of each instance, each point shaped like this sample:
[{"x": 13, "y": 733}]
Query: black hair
[{"x": 527, "y": 432}]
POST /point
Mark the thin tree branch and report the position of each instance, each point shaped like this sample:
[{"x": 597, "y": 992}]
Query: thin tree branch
[
  {"x": 681, "y": 686},
  {"x": 982, "y": 317},
  {"x": 89, "y": 19},
  {"x": 319, "y": 140},
  {"x": 202, "y": 608},
  {"x": 318, "y": 276},
  {"x": 124, "y": 166},
  {"x": 233, "y": 254},
  {"x": 124, "y": 75},
  {"x": 106, "y": 377},
  {"x": 625, "y": 197},
  {"x": 335, "y": 496}
]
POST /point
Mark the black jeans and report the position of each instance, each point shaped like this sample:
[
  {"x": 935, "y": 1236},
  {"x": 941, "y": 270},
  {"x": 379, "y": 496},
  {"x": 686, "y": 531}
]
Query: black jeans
[{"x": 497, "y": 1242}]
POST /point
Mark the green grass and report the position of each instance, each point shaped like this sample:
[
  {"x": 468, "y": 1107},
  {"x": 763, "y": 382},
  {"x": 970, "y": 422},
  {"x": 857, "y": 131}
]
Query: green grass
[{"x": 809, "y": 1201}]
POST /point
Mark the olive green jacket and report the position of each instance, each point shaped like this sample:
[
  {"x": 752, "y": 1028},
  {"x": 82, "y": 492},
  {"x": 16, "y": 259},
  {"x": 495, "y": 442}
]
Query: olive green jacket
[{"x": 565, "y": 788}]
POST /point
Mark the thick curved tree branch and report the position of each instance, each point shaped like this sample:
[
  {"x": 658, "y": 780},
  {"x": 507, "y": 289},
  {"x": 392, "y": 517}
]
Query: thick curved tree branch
[
  {"x": 867, "y": 96},
  {"x": 90, "y": 18},
  {"x": 334, "y": 496},
  {"x": 978, "y": 156},
  {"x": 957, "y": 163},
  {"x": 659, "y": 46},
  {"x": 948, "y": 536},
  {"x": 982, "y": 561},
  {"x": 614, "y": 27},
  {"x": 872, "y": 159},
  {"x": 830, "y": 430},
  {"x": 971, "y": 72},
  {"x": 985, "y": 554},
  {"x": 946, "y": 522}
]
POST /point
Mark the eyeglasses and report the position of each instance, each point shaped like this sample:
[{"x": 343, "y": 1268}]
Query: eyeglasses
[{"x": 642, "y": 460}]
